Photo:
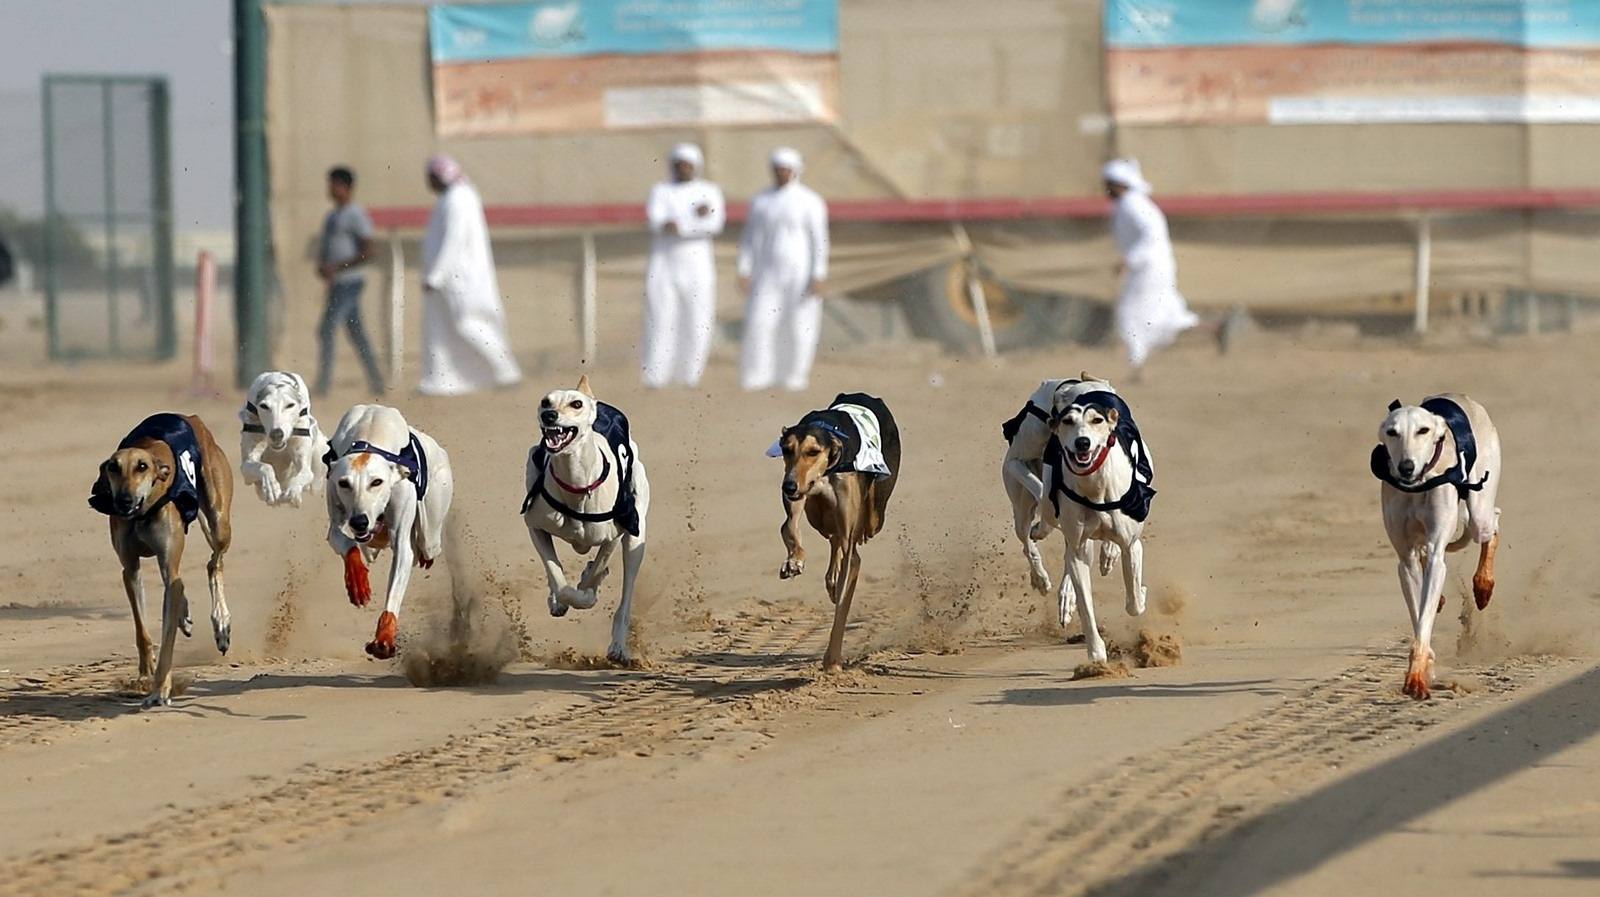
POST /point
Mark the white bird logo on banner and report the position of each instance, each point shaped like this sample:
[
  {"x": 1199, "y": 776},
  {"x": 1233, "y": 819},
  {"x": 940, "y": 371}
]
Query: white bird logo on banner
[
  {"x": 1278, "y": 15},
  {"x": 556, "y": 24}
]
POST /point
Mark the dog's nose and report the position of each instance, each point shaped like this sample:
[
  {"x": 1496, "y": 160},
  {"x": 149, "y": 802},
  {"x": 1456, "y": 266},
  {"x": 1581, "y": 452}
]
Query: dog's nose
[
  {"x": 1407, "y": 467},
  {"x": 359, "y": 523},
  {"x": 1081, "y": 443},
  {"x": 549, "y": 417},
  {"x": 277, "y": 434},
  {"x": 790, "y": 488}
]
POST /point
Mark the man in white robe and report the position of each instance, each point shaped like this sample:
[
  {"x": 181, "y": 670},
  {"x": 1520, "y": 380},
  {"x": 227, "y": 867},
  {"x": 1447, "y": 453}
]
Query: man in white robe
[
  {"x": 1150, "y": 311},
  {"x": 680, "y": 279},
  {"x": 464, "y": 345},
  {"x": 783, "y": 268}
]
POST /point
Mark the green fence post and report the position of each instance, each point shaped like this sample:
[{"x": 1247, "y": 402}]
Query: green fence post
[
  {"x": 161, "y": 215},
  {"x": 250, "y": 192}
]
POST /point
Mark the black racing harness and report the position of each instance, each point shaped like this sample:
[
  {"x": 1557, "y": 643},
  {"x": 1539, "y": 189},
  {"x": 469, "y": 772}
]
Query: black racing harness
[
  {"x": 613, "y": 425},
  {"x": 413, "y": 461},
  {"x": 1466, "y": 452},
  {"x": 258, "y": 428},
  {"x": 188, "y": 485},
  {"x": 1135, "y": 502},
  {"x": 1010, "y": 428}
]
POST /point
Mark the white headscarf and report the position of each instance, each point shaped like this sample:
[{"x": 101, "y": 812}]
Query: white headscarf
[
  {"x": 446, "y": 169},
  {"x": 784, "y": 157},
  {"x": 688, "y": 152},
  {"x": 1126, "y": 172}
]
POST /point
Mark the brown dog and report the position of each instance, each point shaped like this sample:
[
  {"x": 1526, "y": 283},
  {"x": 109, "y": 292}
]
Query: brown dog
[
  {"x": 841, "y": 473},
  {"x": 165, "y": 474}
]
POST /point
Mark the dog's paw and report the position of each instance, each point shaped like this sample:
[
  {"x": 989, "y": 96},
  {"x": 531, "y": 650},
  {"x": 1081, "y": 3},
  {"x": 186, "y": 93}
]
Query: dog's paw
[
  {"x": 557, "y": 609},
  {"x": 1136, "y": 602},
  {"x": 592, "y": 578},
  {"x": 791, "y": 568},
  {"x": 1040, "y": 581},
  {"x": 1065, "y": 602},
  {"x": 1482, "y": 591},
  {"x": 582, "y": 599},
  {"x": 295, "y": 496},
  {"x": 618, "y": 654},
  {"x": 186, "y": 625},
  {"x": 382, "y": 646},
  {"x": 1109, "y": 555},
  {"x": 223, "y": 632},
  {"x": 154, "y": 700},
  {"x": 357, "y": 585},
  {"x": 1038, "y": 531}
]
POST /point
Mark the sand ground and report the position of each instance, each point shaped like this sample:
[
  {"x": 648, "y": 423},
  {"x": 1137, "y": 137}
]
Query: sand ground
[{"x": 956, "y": 755}]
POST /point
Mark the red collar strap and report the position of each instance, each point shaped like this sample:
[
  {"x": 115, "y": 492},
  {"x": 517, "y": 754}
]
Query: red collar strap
[
  {"x": 605, "y": 471},
  {"x": 1101, "y": 459}
]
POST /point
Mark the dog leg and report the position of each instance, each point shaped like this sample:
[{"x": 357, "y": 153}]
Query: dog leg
[
  {"x": 219, "y": 535},
  {"x": 404, "y": 505},
  {"x": 795, "y": 564},
  {"x": 1078, "y": 573},
  {"x": 632, "y": 560},
  {"x": 174, "y": 605},
  {"x": 595, "y": 572},
  {"x": 1066, "y": 598},
  {"x": 1483, "y": 578},
  {"x": 1109, "y": 554},
  {"x": 554, "y": 575},
  {"x": 1419, "y": 672},
  {"x": 134, "y": 586},
  {"x": 1017, "y": 472},
  {"x": 1023, "y": 505},
  {"x": 833, "y": 658},
  {"x": 1132, "y": 574}
]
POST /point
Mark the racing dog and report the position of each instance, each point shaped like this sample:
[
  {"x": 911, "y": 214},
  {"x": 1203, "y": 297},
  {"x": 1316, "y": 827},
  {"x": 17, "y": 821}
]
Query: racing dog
[
  {"x": 587, "y": 487},
  {"x": 163, "y": 475},
  {"x": 280, "y": 444},
  {"x": 1440, "y": 467},
  {"x": 389, "y": 487},
  {"x": 1022, "y": 473},
  {"x": 1098, "y": 463},
  {"x": 840, "y": 466}
]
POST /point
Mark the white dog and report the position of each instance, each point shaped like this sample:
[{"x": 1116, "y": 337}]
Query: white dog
[
  {"x": 1022, "y": 473},
  {"x": 587, "y": 487},
  {"x": 1097, "y": 476},
  {"x": 280, "y": 444},
  {"x": 389, "y": 487},
  {"x": 1440, "y": 467}
]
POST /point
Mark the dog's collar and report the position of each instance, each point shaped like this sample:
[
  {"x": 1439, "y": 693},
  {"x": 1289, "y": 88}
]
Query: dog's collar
[
  {"x": 1438, "y": 449},
  {"x": 605, "y": 471},
  {"x": 1101, "y": 459}
]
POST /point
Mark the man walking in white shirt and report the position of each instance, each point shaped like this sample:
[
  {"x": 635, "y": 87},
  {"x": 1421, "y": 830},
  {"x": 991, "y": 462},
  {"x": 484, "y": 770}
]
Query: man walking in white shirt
[
  {"x": 783, "y": 268},
  {"x": 680, "y": 280}
]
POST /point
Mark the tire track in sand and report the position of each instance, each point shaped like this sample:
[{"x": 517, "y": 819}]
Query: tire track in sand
[
  {"x": 1155, "y": 805},
  {"x": 192, "y": 850}
]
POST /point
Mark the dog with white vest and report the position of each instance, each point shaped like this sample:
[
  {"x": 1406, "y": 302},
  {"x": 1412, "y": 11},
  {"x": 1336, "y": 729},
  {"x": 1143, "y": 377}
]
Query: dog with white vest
[
  {"x": 1440, "y": 467},
  {"x": 280, "y": 445},
  {"x": 1098, "y": 478},
  {"x": 585, "y": 485},
  {"x": 1022, "y": 473},
  {"x": 390, "y": 486}
]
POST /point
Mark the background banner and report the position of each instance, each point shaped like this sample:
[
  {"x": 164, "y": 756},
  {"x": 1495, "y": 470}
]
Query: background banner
[
  {"x": 1353, "y": 61},
  {"x": 586, "y": 65}
]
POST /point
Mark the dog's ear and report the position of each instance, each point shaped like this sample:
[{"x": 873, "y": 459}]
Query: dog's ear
[
  {"x": 1113, "y": 416},
  {"x": 301, "y": 391},
  {"x": 163, "y": 472},
  {"x": 1395, "y": 405},
  {"x": 583, "y": 386}
]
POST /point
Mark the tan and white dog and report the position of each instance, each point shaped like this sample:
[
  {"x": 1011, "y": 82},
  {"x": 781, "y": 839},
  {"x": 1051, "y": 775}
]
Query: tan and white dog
[
  {"x": 1022, "y": 474},
  {"x": 588, "y": 488},
  {"x": 389, "y": 486},
  {"x": 1097, "y": 473},
  {"x": 164, "y": 475},
  {"x": 280, "y": 445},
  {"x": 1440, "y": 467}
]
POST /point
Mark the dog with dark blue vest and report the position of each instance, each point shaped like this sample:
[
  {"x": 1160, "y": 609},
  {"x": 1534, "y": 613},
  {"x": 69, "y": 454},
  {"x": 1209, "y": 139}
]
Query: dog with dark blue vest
[
  {"x": 1098, "y": 486},
  {"x": 165, "y": 475},
  {"x": 585, "y": 484},
  {"x": 840, "y": 466},
  {"x": 1439, "y": 463},
  {"x": 389, "y": 486}
]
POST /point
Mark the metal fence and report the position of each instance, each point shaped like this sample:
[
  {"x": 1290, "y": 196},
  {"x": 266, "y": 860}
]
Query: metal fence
[{"x": 108, "y": 217}]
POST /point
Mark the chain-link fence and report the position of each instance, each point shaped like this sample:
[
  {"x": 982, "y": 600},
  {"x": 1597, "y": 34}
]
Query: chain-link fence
[{"x": 108, "y": 212}]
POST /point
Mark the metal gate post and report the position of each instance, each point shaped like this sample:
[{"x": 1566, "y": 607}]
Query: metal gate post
[{"x": 250, "y": 191}]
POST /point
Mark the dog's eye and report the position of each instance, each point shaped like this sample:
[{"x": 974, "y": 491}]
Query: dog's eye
[
  {"x": 142, "y": 467},
  {"x": 344, "y": 484},
  {"x": 375, "y": 484},
  {"x": 288, "y": 405},
  {"x": 576, "y": 406},
  {"x": 1394, "y": 433},
  {"x": 812, "y": 453},
  {"x": 1422, "y": 431}
]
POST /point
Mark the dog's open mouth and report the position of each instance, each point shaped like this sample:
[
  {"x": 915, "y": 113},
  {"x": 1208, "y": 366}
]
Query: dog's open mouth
[
  {"x": 370, "y": 534},
  {"x": 558, "y": 438},
  {"x": 1080, "y": 460}
]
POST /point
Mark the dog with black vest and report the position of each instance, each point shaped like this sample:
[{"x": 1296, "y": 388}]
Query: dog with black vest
[
  {"x": 1098, "y": 486},
  {"x": 389, "y": 486},
  {"x": 163, "y": 476},
  {"x": 586, "y": 485},
  {"x": 1439, "y": 463},
  {"x": 840, "y": 466}
]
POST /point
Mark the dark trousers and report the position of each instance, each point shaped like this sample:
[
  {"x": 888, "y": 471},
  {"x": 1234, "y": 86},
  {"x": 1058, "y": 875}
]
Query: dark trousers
[{"x": 344, "y": 307}]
